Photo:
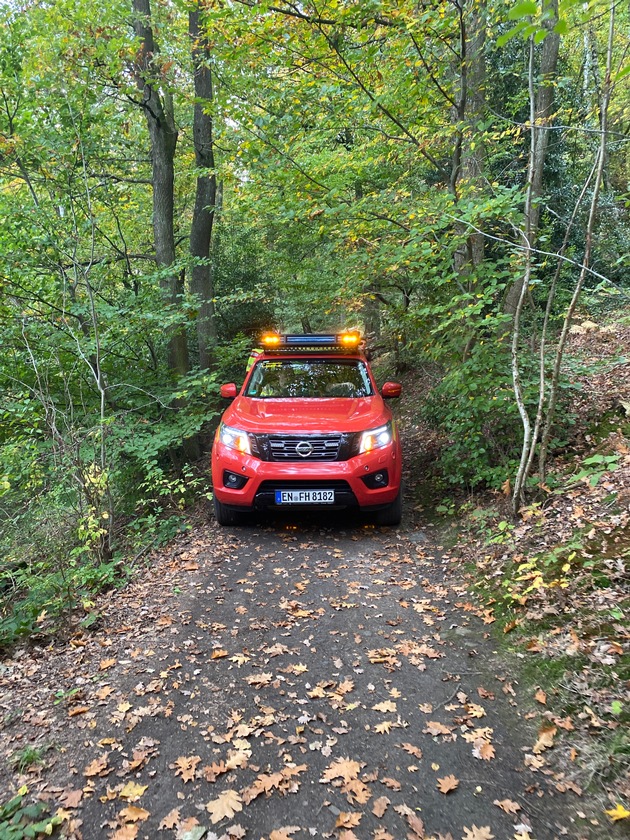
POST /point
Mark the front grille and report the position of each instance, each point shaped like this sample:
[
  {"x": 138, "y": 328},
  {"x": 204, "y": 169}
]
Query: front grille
[
  {"x": 333, "y": 447},
  {"x": 304, "y": 449}
]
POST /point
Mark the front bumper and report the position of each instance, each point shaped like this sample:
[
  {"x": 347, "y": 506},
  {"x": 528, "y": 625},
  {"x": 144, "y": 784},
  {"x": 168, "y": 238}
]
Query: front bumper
[{"x": 346, "y": 478}]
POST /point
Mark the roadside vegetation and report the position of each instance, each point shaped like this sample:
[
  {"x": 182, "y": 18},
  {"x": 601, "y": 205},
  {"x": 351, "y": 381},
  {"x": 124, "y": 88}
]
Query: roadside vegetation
[{"x": 554, "y": 581}]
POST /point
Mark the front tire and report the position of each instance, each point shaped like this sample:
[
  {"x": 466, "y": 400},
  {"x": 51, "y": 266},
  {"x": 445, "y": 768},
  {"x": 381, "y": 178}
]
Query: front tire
[
  {"x": 392, "y": 514},
  {"x": 225, "y": 515}
]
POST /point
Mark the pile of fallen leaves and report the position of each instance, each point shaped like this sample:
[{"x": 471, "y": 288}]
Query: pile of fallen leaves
[{"x": 558, "y": 579}]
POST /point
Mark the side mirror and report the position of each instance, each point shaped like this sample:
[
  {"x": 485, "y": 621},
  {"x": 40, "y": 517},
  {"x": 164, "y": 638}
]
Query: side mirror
[
  {"x": 390, "y": 390},
  {"x": 229, "y": 391}
]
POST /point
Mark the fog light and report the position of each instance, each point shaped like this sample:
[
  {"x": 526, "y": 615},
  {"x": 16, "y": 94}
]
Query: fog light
[
  {"x": 376, "y": 480},
  {"x": 233, "y": 481}
]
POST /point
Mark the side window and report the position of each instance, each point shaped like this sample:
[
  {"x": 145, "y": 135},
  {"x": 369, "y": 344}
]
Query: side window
[{"x": 256, "y": 381}]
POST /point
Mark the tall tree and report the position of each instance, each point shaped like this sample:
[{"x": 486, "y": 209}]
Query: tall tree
[
  {"x": 157, "y": 104},
  {"x": 202, "y": 284}
]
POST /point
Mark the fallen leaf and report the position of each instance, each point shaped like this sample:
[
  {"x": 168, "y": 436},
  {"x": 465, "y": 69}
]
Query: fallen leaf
[
  {"x": 618, "y": 813},
  {"x": 412, "y": 750},
  {"x": 380, "y": 806},
  {"x": 507, "y": 805},
  {"x": 134, "y": 814},
  {"x": 475, "y": 833},
  {"x": 171, "y": 820},
  {"x": 391, "y": 783},
  {"x": 225, "y": 806},
  {"x": 483, "y": 749},
  {"x": 98, "y": 767},
  {"x": 78, "y": 710},
  {"x": 541, "y": 696},
  {"x": 185, "y": 766},
  {"x": 385, "y": 706},
  {"x": 342, "y": 768},
  {"x": 132, "y": 791},
  {"x": 127, "y": 832},
  {"x": 545, "y": 739},
  {"x": 284, "y": 833},
  {"x": 447, "y": 784},
  {"x": 435, "y": 728},
  {"x": 71, "y": 798},
  {"x": 348, "y": 820}
]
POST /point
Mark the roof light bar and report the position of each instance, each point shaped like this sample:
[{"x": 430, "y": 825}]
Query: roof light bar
[{"x": 348, "y": 340}]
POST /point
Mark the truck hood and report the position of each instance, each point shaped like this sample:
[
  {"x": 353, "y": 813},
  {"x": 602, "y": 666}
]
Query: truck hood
[{"x": 314, "y": 416}]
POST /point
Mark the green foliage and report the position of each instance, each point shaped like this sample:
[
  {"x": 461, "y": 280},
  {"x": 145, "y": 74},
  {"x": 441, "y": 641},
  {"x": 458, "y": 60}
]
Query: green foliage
[
  {"x": 594, "y": 467},
  {"x": 473, "y": 406},
  {"x": 20, "y": 819}
]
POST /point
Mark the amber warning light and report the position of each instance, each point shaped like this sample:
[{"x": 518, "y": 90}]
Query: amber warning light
[
  {"x": 270, "y": 339},
  {"x": 350, "y": 339}
]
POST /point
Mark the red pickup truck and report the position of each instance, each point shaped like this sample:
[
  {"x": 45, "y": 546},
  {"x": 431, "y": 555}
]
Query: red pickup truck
[{"x": 308, "y": 429}]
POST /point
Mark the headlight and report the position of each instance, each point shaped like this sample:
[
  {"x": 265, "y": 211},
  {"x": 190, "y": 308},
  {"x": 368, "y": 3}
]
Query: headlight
[
  {"x": 235, "y": 439},
  {"x": 376, "y": 438}
]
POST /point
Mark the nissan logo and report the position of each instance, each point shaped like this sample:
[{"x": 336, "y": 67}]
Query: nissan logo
[{"x": 304, "y": 448}]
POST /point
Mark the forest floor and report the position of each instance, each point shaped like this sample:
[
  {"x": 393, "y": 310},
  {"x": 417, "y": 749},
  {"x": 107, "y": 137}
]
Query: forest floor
[{"x": 305, "y": 678}]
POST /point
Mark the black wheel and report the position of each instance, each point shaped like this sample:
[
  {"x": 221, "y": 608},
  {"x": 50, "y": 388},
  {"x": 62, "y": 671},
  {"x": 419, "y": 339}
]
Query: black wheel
[
  {"x": 225, "y": 515},
  {"x": 392, "y": 514}
]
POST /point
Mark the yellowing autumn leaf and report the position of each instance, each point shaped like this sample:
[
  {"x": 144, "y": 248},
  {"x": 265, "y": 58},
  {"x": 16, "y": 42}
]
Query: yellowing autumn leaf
[
  {"x": 132, "y": 791},
  {"x": 384, "y": 727},
  {"x": 475, "y": 710},
  {"x": 225, "y": 806},
  {"x": 618, "y": 813}
]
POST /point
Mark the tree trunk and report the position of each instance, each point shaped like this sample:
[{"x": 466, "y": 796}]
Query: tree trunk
[
  {"x": 540, "y": 137},
  {"x": 163, "y": 135},
  {"x": 202, "y": 284}
]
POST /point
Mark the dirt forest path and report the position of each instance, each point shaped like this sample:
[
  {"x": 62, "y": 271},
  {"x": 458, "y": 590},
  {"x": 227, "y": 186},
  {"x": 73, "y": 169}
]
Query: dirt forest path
[{"x": 288, "y": 681}]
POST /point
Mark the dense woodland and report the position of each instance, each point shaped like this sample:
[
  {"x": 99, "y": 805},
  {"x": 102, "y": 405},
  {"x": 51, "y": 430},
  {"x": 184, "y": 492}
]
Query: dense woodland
[{"x": 450, "y": 176}]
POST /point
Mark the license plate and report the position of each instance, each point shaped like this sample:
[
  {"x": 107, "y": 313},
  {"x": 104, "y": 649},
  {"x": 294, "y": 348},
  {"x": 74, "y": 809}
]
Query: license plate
[{"x": 305, "y": 497}]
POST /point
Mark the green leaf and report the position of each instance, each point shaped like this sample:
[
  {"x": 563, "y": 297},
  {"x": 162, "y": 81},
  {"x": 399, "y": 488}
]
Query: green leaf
[{"x": 525, "y": 9}]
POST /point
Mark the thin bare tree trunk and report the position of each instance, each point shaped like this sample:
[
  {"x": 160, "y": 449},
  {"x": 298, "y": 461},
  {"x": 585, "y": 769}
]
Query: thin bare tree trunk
[
  {"x": 543, "y": 115},
  {"x": 518, "y": 495},
  {"x": 588, "y": 248}
]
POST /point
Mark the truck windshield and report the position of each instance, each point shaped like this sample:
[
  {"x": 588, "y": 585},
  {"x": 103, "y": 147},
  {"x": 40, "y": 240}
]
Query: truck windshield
[{"x": 309, "y": 378}]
